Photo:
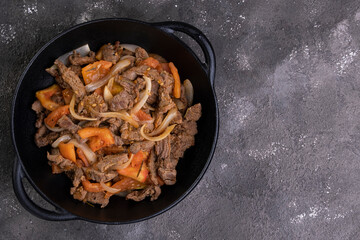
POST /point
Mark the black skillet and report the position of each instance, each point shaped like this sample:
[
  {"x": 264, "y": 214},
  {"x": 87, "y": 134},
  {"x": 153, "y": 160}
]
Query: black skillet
[{"x": 31, "y": 162}]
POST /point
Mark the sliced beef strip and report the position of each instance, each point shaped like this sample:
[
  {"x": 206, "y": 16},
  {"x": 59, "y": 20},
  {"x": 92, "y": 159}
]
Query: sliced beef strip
[
  {"x": 63, "y": 163},
  {"x": 166, "y": 169},
  {"x": 118, "y": 140},
  {"x": 152, "y": 166},
  {"x": 77, "y": 175},
  {"x": 71, "y": 79},
  {"x": 167, "y": 82},
  {"x": 93, "y": 123},
  {"x": 127, "y": 84},
  {"x": 133, "y": 72},
  {"x": 151, "y": 191},
  {"x": 66, "y": 123},
  {"x": 193, "y": 113},
  {"x": 77, "y": 59},
  {"x": 187, "y": 127},
  {"x": 144, "y": 146},
  {"x": 40, "y": 120},
  {"x": 129, "y": 133},
  {"x": 78, "y": 193},
  {"x": 141, "y": 53},
  {"x": 115, "y": 124},
  {"x": 77, "y": 70},
  {"x": 165, "y": 101},
  {"x": 180, "y": 143},
  {"x": 58, "y": 98},
  {"x": 111, "y": 52},
  {"x": 93, "y": 102},
  {"x": 110, "y": 161},
  {"x": 43, "y": 137},
  {"x": 37, "y": 107},
  {"x": 122, "y": 101},
  {"x": 54, "y": 71},
  {"x": 158, "y": 118},
  {"x": 97, "y": 198},
  {"x": 98, "y": 176}
]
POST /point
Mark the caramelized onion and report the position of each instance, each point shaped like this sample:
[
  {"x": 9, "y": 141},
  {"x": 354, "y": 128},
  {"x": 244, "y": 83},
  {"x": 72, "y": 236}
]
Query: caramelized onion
[
  {"x": 107, "y": 94},
  {"x": 109, "y": 189},
  {"x": 114, "y": 70},
  {"x": 63, "y": 138},
  {"x": 131, "y": 58},
  {"x": 157, "y": 138},
  {"x": 189, "y": 92},
  {"x": 122, "y": 115},
  {"x": 144, "y": 97},
  {"x": 89, "y": 154},
  {"x": 165, "y": 123},
  {"x": 74, "y": 114},
  {"x": 54, "y": 129},
  {"x": 130, "y": 47}
]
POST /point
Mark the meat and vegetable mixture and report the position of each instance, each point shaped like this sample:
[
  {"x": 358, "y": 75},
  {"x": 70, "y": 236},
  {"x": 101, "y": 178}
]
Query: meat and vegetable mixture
[{"x": 118, "y": 122}]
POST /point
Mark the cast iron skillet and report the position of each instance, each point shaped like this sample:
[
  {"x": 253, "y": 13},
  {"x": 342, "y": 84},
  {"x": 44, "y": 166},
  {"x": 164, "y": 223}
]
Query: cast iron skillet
[{"x": 31, "y": 162}]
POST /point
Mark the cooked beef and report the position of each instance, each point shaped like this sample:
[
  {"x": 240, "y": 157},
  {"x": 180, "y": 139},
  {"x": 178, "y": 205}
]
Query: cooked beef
[
  {"x": 165, "y": 101},
  {"x": 129, "y": 133},
  {"x": 66, "y": 123},
  {"x": 144, "y": 146},
  {"x": 118, "y": 140},
  {"x": 167, "y": 82},
  {"x": 154, "y": 92},
  {"x": 97, "y": 198},
  {"x": 115, "y": 124},
  {"x": 187, "y": 127},
  {"x": 152, "y": 166},
  {"x": 166, "y": 169},
  {"x": 193, "y": 113},
  {"x": 109, "y": 162},
  {"x": 127, "y": 52},
  {"x": 179, "y": 144},
  {"x": 150, "y": 191},
  {"x": 63, "y": 163},
  {"x": 93, "y": 123},
  {"x": 158, "y": 118},
  {"x": 54, "y": 71},
  {"x": 43, "y": 137},
  {"x": 77, "y": 176},
  {"x": 77, "y": 59},
  {"x": 91, "y": 103},
  {"x": 183, "y": 98},
  {"x": 40, "y": 120},
  {"x": 71, "y": 79},
  {"x": 111, "y": 52},
  {"x": 78, "y": 193},
  {"x": 77, "y": 70},
  {"x": 99, "y": 176},
  {"x": 121, "y": 101},
  {"x": 37, "y": 107},
  {"x": 141, "y": 54}
]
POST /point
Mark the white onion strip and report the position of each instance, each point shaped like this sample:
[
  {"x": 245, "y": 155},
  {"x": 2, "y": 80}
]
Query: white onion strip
[
  {"x": 107, "y": 94},
  {"x": 89, "y": 154},
  {"x": 144, "y": 98},
  {"x": 130, "y": 47},
  {"x": 123, "y": 165},
  {"x": 189, "y": 92},
  {"x": 60, "y": 139},
  {"x": 157, "y": 138},
  {"x": 122, "y": 115},
  {"x": 54, "y": 129},
  {"x": 109, "y": 189},
  {"x": 74, "y": 114},
  {"x": 131, "y": 58},
  {"x": 165, "y": 123},
  {"x": 114, "y": 70}
]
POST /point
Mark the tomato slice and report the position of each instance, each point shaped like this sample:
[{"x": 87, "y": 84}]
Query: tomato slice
[
  {"x": 95, "y": 71},
  {"x": 126, "y": 184}
]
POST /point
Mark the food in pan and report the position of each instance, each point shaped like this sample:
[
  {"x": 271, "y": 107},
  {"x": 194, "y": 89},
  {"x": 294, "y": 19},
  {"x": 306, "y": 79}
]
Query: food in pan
[{"x": 117, "y": 122}]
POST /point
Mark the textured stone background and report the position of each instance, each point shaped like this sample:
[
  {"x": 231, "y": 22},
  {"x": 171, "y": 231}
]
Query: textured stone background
[{"x": 287, "y": 161}]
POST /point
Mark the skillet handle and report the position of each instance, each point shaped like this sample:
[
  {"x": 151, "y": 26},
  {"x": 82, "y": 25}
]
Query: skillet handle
[
  {"x": 28, "y": 204},
  {"x": 199, "y": 37}
]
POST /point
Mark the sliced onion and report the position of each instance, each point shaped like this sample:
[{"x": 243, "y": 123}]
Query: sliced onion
[
  {"x": 109, "y": 189},
  {"x": 107, "y": 94},
  {"x": 89, "y": 154},
  {"x": 165, "y": 123},
  {"x": 60, "y": 139},
  {"x": 54, "y": 129},
  {"x": 189, "y": 92},
  {"x": 157, "y": 138},
  {"x": 111, "y": 83},
  {"x": 131, "y": 58},
  {"x": 83, "y": 51},
  {"x": 130, "y": 47},
  {"x": 114, "y": 70},
  {"x": 74, "y": 114},
  {"x": 144, "y": 98},
  {"x": 123, "y": 165},
  {"x": 122, "y": 115}
]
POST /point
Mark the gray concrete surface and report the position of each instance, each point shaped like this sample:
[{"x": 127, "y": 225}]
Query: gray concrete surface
[{"x": 287, "y": 162}]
